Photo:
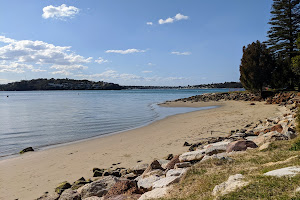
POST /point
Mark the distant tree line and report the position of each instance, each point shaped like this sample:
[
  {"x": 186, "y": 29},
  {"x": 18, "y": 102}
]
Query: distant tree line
[
  {"x": 275, "y": 63},
  {"x": 59, "y": 84}
]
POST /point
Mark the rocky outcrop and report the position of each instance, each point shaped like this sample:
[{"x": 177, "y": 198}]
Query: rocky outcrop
[
  {"x": 62, "y": 187},
  {"x": 70, "y": 194},
  {"x": 26, "y": 150},
  {"x": 154, "y": 194}
]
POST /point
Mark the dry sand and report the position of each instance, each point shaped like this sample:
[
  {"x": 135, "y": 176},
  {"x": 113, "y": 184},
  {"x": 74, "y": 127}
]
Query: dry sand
[{"x": 30, "y": 175}]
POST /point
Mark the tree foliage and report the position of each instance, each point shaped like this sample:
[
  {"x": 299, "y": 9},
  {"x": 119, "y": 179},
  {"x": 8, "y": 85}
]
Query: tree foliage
[
  {"x": 256, "y": 66},
  {"x": 285, "y": 25}
]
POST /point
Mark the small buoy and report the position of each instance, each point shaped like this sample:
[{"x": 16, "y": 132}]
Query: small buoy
[{"x": 7, "y": 96}]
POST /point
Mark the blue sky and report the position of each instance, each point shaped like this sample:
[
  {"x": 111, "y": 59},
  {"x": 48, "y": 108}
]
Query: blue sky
[{"x": 129, "y": 42}]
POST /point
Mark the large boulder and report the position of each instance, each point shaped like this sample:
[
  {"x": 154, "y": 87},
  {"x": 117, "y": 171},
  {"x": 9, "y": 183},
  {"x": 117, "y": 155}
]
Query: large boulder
[
  {"x": 70, "y": 194},
  {"x": 287, "y": 171},
  {"x": 172, "y": 162},
  {"x": 98, "y": 188},
  {"x": 192, "y": 156},
  {"x": 154, "y": 194},
  {"x": 147, "y": 183},
  {"x": 234, "y": 182},
  {"x": 165, "y": 182},
  {"x": 240, "y": 145}
]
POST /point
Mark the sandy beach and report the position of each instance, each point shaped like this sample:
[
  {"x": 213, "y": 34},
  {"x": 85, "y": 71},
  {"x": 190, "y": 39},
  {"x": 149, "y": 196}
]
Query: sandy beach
[{"x": 30, "y": 175}]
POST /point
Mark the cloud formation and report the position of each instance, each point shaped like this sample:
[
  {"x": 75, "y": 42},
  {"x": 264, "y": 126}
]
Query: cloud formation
[
  {"x": 177, "y": 17},
  {"x": 26, "y": 54},
  {"x": 101, "y": 60},
  {"x": 60, "y": 12},
  {"x": 181, "y": 53},
  {"x": 128, "y": 51},
  {"x": 149, "y": 23}
]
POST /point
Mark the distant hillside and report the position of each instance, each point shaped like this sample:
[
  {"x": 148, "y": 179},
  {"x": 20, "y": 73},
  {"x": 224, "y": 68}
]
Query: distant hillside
[
  {"x": 59, "y": 84},
  {"x": 213, "y": 85}
]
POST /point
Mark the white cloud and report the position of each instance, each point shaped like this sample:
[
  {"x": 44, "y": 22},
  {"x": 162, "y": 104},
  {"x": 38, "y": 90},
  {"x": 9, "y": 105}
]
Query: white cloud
[
  {"x": 177, "y": 17},
  {"x": 180, "y": 17},
  {"x": 145, "y": 72},
  {"x": 151, "y": 64},
  {"x": 39, "y": 53},
  {"x": 15, "y": 67},
  {"x": 62, "y": 72},
  {"x": 101, "y": 60},
  {"x": 149, "y": 23},
  {"x": 181, "y": 53},
  {"x": 60, "y": 12},
  {"x": 128, "y": 51},
  {"x": 5, "y": 81}
]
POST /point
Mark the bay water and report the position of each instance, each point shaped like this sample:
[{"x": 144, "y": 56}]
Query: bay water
[{"x": 45, "y": 118}]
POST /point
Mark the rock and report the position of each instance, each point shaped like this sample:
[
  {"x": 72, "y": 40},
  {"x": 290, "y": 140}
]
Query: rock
[
  {"x": 182, "y": 165},
  {"x": 123, "y": 197},
  {"x": 163, "y": 163},
  {"x": 62, "y": 186},
  {"x": 26, "y": 150},
  {"x": 47, "y": 196},
  {"x": 265, "y": 146},
  {"x": 192, "y": 156},
  {"x": 156, "y": 172},
  {"x": 154, "y": 194},
  {"x": 122, "y": 187},
  {"x": 269, "y": 137},
  {"x": 130, "y": 176},
  {"x": 221, "y": 156},
  {"x": 93, "y": 198},
  {"x": 97, "y": 173},
  {"x": 298, "y": 189},
  {"x": 98, "y": 188},
  {"x": 216, "y": 148},
  {"x": 79, "y": 183},
  {"x": 147, "y": 183},
  {"x": 234, "y": 182},
  {"x": 186, "y": 144},
  {"x": 69, "y": 194},
  {"x": 290, "y": 135},
  {"x": 240, "y": 145},
  {"x": 277, "y": 128},
  {"x": 172, "y": 162},
  {"x": 139, "y": 169},
  {"x": 287, "y": 171},
  {"x": 169, "y": 157},
  {"x": 164, "y": 182},
  {"x": 176, "y": 172},
  {"x": 154, "y": 165}
]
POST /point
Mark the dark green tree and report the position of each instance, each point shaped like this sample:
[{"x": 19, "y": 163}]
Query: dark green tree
[
  {"x": 285, "y": 25},
  {"x": 296, "y": 63},
  {"x": 256, "y": 67}
]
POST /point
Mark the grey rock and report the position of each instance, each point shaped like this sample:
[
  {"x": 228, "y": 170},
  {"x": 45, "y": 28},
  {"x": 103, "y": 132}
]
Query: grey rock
[
  {"x": 182, "y": 165},
  {"x": 69, "y": 194},
  {"x": 154, "y": 194},
  {"x": 234, "y": 182},
  {"x": 287, "y": 171},
  {"x": 164, "y": 182},
  {"x": 98, "y": 188},
  {"x": 176, "y": 172},
  {"x": 147, "y": 183},
  {"x": 192, "y": 156}
]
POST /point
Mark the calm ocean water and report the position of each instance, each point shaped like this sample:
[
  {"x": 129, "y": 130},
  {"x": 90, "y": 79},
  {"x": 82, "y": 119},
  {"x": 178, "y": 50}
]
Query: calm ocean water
[{"x": 45, "y": 118}]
